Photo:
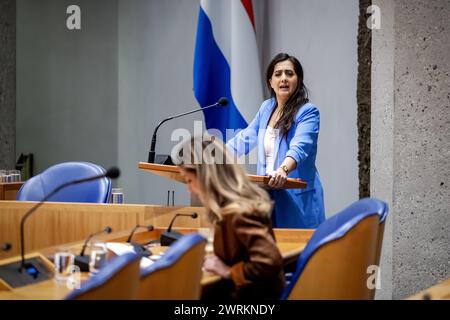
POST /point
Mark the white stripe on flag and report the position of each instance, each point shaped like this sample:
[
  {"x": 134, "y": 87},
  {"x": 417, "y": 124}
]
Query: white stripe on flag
[
  {"x": 245, "y": 68},
  {"x": 219, "y": 13}
]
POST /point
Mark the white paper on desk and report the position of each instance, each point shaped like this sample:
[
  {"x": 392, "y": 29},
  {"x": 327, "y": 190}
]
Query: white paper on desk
[
  {"x": 146, "y": 262},
  {"x": 121, "y": 248}
]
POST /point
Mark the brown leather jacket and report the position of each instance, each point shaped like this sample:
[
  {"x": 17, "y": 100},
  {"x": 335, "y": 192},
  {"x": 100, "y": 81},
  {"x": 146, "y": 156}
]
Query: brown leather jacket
[{"x": 246, "y": 243}]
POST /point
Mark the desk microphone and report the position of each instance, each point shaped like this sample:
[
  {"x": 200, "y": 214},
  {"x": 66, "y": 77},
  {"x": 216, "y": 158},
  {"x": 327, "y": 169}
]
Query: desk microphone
[
  {"x": 82, "y": 261},
  {"x": 149, "y": 228},
  {"x": 139, "y": 248},
  {"x": 169, "y": 236},
  {"x": 165, "y": 159},
  {"x": 111, "y": 173},
  {"x": 6, "y": 246}
]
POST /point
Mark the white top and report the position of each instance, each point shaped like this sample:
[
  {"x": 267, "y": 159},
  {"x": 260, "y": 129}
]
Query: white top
[{"x": 269, "y": 147}]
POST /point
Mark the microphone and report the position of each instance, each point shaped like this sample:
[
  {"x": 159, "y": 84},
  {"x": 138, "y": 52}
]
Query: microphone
[
  {"x": 6, "y": 246},
  {"x": 111, "y": 173},
  {"x": 149, "y": 228},
  {"x": 81, "y": 260},
  {"x": 168, "y": 237},
  {"x": 139, "y": 248},
  {"x": 165, "y": 159}
]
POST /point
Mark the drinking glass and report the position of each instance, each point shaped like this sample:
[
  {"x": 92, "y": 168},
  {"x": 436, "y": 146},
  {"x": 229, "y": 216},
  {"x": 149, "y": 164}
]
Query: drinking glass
[
  {"x": 117, "y": 195},
  {"x": 64, "y": 262},
  {"x": 98, "y": 257},
  {"x": 2, "y": 176},
  {"x": 15, "y": 176}
]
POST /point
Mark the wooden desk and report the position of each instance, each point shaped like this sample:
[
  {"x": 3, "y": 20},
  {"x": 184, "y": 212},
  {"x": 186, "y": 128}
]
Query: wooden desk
[
  {"x": 8, "y": 190},
  {"x": 58, "y": 222},
  {"x": 441, "y": 291},
  {"x": 290, "y": 242}
]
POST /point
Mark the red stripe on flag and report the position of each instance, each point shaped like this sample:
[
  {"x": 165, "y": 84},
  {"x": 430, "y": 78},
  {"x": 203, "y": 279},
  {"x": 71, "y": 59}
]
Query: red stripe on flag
[{"x": 249, "y": 8}]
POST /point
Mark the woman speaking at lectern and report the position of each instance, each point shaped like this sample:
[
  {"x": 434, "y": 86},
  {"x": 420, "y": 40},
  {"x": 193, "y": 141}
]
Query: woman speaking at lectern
[{"x": 285, "y": 131}]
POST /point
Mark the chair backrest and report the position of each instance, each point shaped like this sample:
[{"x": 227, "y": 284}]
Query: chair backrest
[
  {"x": 97, "y": 191},
  {"x": 177, "y": 275},
  {"x": 334, "y": 264},
  {"x": 118, "y": 280}
]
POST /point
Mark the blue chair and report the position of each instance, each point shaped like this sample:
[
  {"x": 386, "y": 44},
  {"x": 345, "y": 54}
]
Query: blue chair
[
  {"x": 118, "y": 280},
  {"x": 98, "y": 191},
  {"x": 177, "y": 275},
  {"x": 335, "y": 262}
]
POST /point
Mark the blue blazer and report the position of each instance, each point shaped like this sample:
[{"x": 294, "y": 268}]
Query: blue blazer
[{"x": 293, "y": 208}]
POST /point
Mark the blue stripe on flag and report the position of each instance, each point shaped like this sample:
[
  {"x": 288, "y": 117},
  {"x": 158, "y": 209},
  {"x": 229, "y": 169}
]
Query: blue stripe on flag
[{"x": 212, "y": 80}]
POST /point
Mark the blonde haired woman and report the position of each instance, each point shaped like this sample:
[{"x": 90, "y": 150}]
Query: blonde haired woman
[{"x": 245, "y": 251}]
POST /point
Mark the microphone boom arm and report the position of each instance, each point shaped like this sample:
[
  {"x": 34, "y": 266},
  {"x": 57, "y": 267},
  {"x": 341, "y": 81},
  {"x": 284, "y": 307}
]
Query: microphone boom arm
[
  {"x": 193, "y": 216},
  {"x": 85, "y": 244},
  {"x": 148, "y": 227},
  {"x": 131, "y": 234},
  {"x": 151, "y": 153},
  {"x": 169, "y": 236},
  {"x": 112, "y": 173},
  {"x": 25, "y": 217}
]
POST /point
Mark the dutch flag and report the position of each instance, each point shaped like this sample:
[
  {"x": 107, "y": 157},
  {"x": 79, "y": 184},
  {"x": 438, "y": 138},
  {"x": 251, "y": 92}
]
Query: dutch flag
[{"x": 226, "y": 63}]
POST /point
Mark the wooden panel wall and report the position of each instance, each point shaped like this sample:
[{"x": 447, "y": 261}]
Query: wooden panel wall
[{"x": 56, "y": 223}]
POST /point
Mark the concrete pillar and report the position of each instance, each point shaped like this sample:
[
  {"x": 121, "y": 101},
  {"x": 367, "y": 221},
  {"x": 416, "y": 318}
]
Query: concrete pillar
[
  {"x": 410, "y": 142},
  {"x": 7, "y": 83}
]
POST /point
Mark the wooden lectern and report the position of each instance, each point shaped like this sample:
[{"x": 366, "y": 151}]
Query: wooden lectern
[{"x": 173, "y": 172}]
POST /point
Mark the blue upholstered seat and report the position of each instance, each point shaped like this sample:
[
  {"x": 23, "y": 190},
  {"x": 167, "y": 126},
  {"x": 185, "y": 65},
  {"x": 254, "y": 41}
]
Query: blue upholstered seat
[
  {"x": 174, "y": 253},
  {"x": 337, "y": 227},
  {"x": 177, "y": 274},
  {"x": 98, "y": 191},
  {"x": 119, "y": 279}
]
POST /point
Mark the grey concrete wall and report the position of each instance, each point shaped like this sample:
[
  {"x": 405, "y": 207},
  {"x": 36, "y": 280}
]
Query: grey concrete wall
[
  {"x": 67, "y": 82},
  {"x": 382, "y": 132},
  {"x": 422, "y": 145},
  {"x": 418, "y": 118},
  {"x": 7, "y": 84}
]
